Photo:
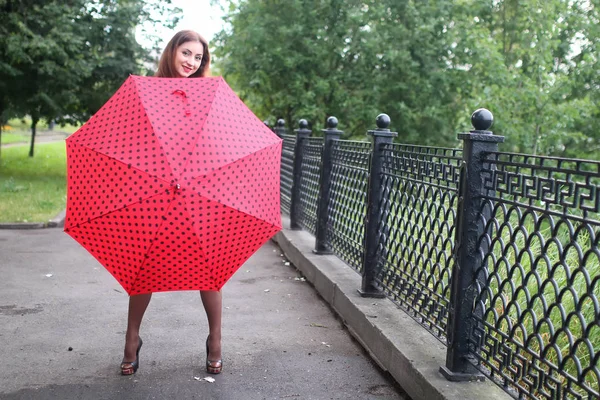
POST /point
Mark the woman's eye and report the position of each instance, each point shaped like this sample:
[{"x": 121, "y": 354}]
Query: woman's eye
[
  {"x": 198, "y": 58},
  {"x": 186, "y": 53}
]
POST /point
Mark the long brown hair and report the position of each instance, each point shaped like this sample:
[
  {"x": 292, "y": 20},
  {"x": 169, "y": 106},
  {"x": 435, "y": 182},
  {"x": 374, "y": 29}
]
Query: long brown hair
[{"x": 166, "y": 69}]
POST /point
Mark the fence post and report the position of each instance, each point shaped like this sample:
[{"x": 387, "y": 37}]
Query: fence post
[
  {"x": 301, "y": 135},
  {"x": 467, "y": 250},
  {"x": 381, "y": 136},
  {"x": 279, "y": 128},
  {"x": 331, "y": 134}
]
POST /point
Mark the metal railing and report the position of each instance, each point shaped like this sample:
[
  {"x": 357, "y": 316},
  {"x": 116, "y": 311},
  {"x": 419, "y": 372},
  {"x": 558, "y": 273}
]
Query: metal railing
[
  {"x": 421, "y": 196},
  {"x": 496, "y": 254}
]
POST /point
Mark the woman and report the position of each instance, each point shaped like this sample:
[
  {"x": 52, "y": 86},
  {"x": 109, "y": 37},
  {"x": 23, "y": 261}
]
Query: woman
[{"x": 185, "y": 56}]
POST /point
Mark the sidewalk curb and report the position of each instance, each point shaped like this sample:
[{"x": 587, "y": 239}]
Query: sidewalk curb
[
  {"x": 395, "y": 341},
  {"x": 57, "y": 222}
]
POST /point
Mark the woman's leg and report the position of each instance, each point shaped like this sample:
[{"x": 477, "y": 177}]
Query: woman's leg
[
  {"x": 213, "y": 305},
  {"x": 137, "y": 308}
]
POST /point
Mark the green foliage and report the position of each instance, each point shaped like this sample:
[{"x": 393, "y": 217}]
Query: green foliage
[
  {"x": 428, "y": 64},
  {"x": 112, "y": 48},
  {"x": 61, "y": 60}
]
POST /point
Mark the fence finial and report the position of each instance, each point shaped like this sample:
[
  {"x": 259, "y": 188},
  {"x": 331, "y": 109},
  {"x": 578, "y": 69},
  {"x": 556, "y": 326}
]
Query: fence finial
[
  {"x": 279, "y": 128},
  {"x": 303, "y": 124},
  {"x": 332, "y": 122},
  {"x": 482, "y": 119},
  {"x": 383, "y": 121}
]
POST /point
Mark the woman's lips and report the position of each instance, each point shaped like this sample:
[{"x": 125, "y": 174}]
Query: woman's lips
[{"x": 187, "y": 69}]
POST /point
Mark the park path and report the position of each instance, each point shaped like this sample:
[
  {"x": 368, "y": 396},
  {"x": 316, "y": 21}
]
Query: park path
[
  {"x": 40, "y": 137},
  {"x": 62, "y": 322}
]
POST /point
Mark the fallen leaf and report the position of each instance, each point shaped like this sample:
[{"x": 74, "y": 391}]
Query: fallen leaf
[{"x": 209, "y": 379}]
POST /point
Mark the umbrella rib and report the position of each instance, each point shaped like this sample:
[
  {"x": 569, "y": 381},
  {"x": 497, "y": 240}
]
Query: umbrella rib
[
  {"x": 237, "y": 160},
  {"x": 207, "y": 115},
  {"x": 152, "y": 125},
  {"x": 250, "y": 215},
  {"x": 122, "y": 162},
  {"x": 223, "y": 167},
  {"x": 87, "y": 221},
  {"x": 157, "y": 231},
  {"x": 125, "y": 205},
  {"x": 200, "y": 250}
]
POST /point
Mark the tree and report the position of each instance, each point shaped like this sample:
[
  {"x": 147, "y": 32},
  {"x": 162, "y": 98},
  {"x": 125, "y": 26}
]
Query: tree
[
  {"x": 65, "y": 58},
  {"x": 45, "y": 50},
  {"x": 428, "y": 64},
  {"x": 112, "y": 48},
  {"x": 285, "y": 58}
]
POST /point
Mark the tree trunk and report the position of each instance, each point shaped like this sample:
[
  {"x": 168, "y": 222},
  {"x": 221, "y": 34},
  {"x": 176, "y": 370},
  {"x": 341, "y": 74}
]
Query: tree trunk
[{"x": 34, "y": 120}]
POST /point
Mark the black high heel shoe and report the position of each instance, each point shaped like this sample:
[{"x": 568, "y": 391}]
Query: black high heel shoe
[
  {"x": 131, "y": 367},
  {"x": 213, "y": 366}
]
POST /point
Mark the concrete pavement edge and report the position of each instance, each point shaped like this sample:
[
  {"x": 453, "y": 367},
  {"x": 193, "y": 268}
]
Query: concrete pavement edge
[
  {"x": 395, "y": 341},
  {"x": 57, "y": 222}
]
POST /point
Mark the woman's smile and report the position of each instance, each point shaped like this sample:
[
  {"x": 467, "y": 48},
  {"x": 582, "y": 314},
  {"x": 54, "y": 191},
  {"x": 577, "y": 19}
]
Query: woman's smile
[{"x": 188, "y": 58}]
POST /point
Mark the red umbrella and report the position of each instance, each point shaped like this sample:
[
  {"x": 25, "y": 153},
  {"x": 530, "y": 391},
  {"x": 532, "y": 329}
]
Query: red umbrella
[{"x": 173, "y": 184}]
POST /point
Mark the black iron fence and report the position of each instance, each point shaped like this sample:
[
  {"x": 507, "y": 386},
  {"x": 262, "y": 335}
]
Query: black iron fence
[{"x": 496, "y": 254}]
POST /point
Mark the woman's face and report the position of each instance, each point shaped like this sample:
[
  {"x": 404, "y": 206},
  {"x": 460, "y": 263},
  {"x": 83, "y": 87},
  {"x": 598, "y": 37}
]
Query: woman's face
[{"x": 188, "y": 57}]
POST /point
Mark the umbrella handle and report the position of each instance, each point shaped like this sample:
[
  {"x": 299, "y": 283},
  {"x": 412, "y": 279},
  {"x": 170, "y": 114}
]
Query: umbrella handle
[{"x": 185, "y": 100}]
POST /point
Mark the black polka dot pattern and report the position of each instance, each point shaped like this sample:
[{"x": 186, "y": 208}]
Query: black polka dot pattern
[{"x": 173, "y": 184}]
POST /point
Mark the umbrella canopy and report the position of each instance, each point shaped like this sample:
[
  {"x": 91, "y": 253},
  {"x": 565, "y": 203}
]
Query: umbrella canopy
[{"x": 173, "y": 184}]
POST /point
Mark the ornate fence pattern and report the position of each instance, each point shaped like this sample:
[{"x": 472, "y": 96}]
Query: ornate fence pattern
[
  {"x": 536, "y": 319},
  {"x": 287, "y": 171},
  {"x": 421, "y": 193},
  {"x": 309, "y": 183},
  {"x": 496, "y": 254},
  {"x": 348, "y": 201}
]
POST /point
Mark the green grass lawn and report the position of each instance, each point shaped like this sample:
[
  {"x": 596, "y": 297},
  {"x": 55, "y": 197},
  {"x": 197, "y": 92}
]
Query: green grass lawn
[{"x": 32, "y": 189}]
